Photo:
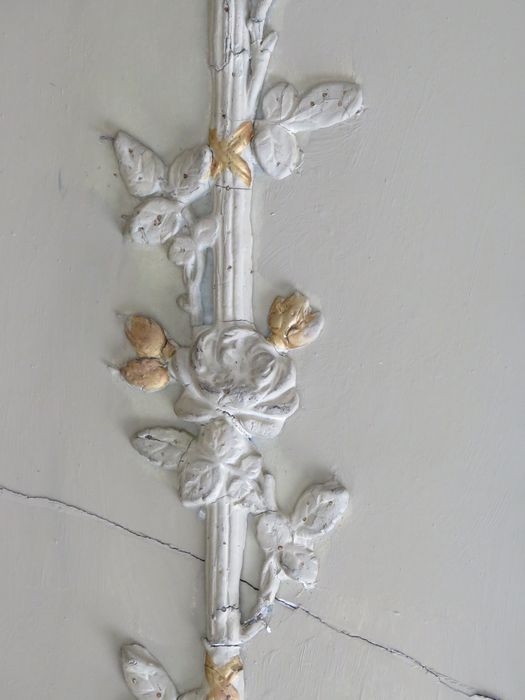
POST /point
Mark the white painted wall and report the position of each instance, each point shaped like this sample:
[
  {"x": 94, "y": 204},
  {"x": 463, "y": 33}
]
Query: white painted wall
[{"x": 414, "y": 248}]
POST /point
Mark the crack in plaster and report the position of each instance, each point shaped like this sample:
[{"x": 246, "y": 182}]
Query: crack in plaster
[
  {"x": 64, "y": 507},
  {"x": 442, "y": 678},
  {"x": 449, "y": 682},
  {"x": 231, "y": 187}
]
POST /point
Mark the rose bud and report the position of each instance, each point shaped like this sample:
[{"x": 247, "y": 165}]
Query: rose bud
[
  {"x": 293, "y": 323},
  {"x": 148, "y": 374},
  {"x": 146, "y": 336},
  {"x": 168, "y": 350}
]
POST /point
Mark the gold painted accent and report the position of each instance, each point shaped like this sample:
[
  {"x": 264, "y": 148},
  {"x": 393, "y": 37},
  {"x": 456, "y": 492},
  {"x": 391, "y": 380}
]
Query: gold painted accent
[
  {"x": 226, "y": 154},
  {"x": 146, "y": 373},
  {"x": 168, "y": 350},
  {"x": 220, "y": 679},
  {"x": 146, "y": 336},
  {"x": 293, "y": 323}
]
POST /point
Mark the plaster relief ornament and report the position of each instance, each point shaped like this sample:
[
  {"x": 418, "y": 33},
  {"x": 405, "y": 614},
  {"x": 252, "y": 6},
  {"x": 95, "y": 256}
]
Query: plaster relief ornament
[{"x": 236, "y": 383}]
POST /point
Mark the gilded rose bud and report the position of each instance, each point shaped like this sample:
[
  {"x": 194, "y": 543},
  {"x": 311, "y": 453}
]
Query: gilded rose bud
[
  {"x": 148, "y": 374},
  {"x": 146, "y": 336},
  {"x": 293, "y": 323},
  {"x": 168, "y": 350}
]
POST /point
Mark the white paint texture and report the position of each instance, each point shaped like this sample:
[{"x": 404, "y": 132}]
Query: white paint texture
[{"x": 413, "y": 247}]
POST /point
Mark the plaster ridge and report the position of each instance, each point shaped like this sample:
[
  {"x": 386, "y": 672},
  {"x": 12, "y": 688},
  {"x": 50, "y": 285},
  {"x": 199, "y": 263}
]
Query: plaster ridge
[{"x": 445, "y": 680}]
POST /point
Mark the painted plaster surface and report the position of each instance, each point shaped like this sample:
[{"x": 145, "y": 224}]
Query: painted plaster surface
[{"x": 406, "y": 229}]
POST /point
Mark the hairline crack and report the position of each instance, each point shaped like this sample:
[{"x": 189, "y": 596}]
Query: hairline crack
[{"x": 69, "y": 508}]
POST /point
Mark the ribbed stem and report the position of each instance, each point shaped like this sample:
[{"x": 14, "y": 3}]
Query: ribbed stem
[
  {"x": 225, "y": 538},
  {"x": 226, "y": 525},
  {"x": 230, "y": 62}
]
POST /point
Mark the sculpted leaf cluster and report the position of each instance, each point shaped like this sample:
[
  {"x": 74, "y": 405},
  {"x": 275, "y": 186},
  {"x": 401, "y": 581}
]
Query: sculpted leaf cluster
[
  {"x": 285, "y": 114},
  {"x": 236, "y": 385},
  {"x": 166, "y": 210},
  {"x": 288, "y": 541}
]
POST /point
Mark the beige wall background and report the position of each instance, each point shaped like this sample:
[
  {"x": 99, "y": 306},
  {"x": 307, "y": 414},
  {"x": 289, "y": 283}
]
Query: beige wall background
[{"x": 406, "y": 228}]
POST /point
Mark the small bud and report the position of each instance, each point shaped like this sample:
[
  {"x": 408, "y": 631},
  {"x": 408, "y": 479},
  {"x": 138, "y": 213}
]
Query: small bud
[
  {"x": 146, "y": 336},
  {"x": 148, "y": 374},
  {"x": 168, "y": 350},
  {"x": 293, "y": 323}
]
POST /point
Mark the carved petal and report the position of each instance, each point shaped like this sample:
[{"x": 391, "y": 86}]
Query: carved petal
[
  {"x": 268, "y": 419},
  {"x": 319, "y": 510},
  {"x": 326, "y": 105},
  {"x": 236, "y": 372},
  {"x": 143, "y": 172},
  {"x": 145, "y": 676},
  {"x": 304, "y": 335},
  {"x": 163, "y": 447},
  {"x": 191, "y": 406},
  {"x": 293, "y": 322}
]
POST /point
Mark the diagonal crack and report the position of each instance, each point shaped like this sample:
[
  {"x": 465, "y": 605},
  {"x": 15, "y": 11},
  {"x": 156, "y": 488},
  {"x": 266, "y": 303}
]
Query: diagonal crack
[
  {"x": 449, "y": 682},
  {"x": 63, "y": 507},
  {"x": 442, "y": 678}
]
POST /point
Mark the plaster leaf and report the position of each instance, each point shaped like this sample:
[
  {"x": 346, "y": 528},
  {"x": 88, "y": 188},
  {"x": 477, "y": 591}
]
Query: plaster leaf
[
  {"x": 155, "y": 221},
  {"x": 276, "y": 150},
  {"x": 300, "y": 564},
  {"x": 201, "y": 482},
  {"x": 220, "y": 441},
  {"x": 269, "y": 583},
  {"x": 145, "y": 676},
  {"x": 143, "y": 172},
  {"x": 253, "y": 500},
  {"x": 279, "y": 102},
  {"x": 183, "y": 251},
  {"x": 244, "y": 490},
  {"x": 251, "y": 466},
  {"x": 273, "y": 532},
  {"x": 163, "y": 447},
  {"x": 326, "y": 105},
  {"x": 239, "y": 488},
  {"x": 189, "y": 175},
  {"x": 319, "y": 510}
]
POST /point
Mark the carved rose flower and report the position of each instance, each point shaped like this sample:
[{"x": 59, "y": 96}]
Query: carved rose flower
[{"x": 235, "y": 371}]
